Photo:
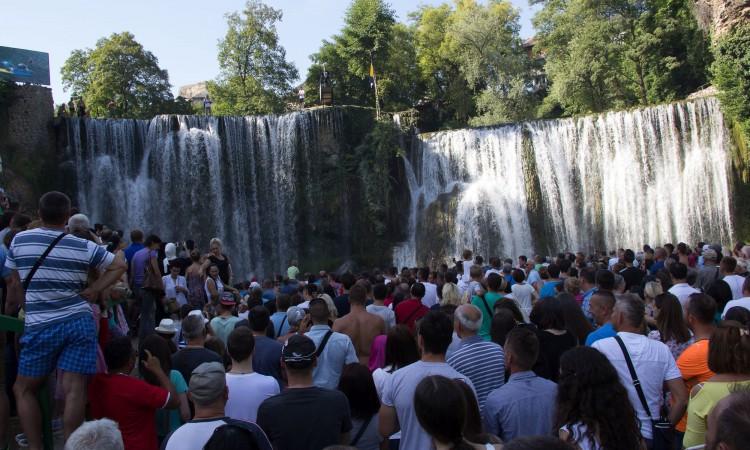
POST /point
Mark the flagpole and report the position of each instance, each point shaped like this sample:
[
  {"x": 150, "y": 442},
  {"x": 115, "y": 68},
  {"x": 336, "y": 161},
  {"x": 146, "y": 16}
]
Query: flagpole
[{"x": 375, "y": 85}]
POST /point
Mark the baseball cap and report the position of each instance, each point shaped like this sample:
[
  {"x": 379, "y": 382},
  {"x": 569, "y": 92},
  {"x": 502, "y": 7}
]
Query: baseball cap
[
  {"x": 227, "y": 299},
  {"x": 298, "y": 352},
  {"x": 294, "y": 315},
  {"x": 207, "y": 383}
]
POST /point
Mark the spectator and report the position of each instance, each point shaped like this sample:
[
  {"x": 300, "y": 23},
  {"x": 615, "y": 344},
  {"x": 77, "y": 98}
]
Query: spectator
[
  {"x": 525, "y": 405},
  {"x": 729, "y": 423},
  {"x": 554, "y": 339},
  {"x": 208, "y": 392},
  {"x": 279, "y": 318},
  {"x": 653, "y": 363},
  {"x": 318, "y": 417},
  {"x": 224, "y": 322},
  {"x": 671, "y": 328},
  {"x": 194, "y": 354},
  {"x": 380, "y": 292},
  {"x": 400, "y": 351},
  {"x": 166, "y": 420},
  {"x": 441, "y": 410},
  {"x": 481, "y": 361},
  {"x": 729, "y": 359},
  {"x": 102, "y": 434},
  {"x": 693, "y": 362},
  {"x": 589, "y": 386},
  {"x": 59, "y": 330},
  {"x": 743, "y": 302},
  {"x": 680, "y": 287},
  {"x": 131, "y": 402},
  {"x": 434, "y": 336},
  {"x": 408, "y": 312},
  {"x": 267, "y": 353},
  {"x": 361, "y": 326},
  {"x": 728, "y": 267},
  {"x": 357, "y": 384},
  {"x": 232, "y": 437},
  {"x": 601, "y": 307},
  {"x": 334, "y": 350},
  {"x": 247, "y": 389},
  {"x": 575, "y": 322}
]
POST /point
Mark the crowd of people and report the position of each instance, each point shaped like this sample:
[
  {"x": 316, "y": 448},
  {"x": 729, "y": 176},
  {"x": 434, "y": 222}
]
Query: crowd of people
[{"x": 148, "y": 344}]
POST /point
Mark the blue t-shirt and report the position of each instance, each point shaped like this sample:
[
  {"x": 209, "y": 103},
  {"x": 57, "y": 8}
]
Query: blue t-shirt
[
  {"x": 549, "y": 289},
  {"x": 604, "y": 331}
]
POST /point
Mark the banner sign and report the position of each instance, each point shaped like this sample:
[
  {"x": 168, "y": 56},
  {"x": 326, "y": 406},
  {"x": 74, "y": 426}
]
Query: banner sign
[{"x": 24, "y": 66}]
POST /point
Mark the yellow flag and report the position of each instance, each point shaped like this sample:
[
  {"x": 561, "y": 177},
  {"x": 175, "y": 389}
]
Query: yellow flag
[{"x": 372, "y": 71}]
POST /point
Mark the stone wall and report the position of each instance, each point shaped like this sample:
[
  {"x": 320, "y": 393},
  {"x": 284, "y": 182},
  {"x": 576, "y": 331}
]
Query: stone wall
[{"x": 27, "y": 143}]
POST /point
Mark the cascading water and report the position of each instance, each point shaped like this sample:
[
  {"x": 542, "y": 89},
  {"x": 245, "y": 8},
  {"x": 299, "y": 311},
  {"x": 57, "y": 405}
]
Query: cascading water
[
  {"x": 627, "y": 178},
  {"x": 195, "y": 177}
]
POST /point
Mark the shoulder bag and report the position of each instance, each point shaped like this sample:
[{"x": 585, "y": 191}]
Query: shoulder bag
[{"x": 663, "y": 430}]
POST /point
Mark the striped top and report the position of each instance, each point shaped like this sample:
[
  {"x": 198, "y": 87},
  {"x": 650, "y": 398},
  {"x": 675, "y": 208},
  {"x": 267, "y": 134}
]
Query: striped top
[
  {"x": 53, "y": 294},
  {"x": 483, "y": 362}
]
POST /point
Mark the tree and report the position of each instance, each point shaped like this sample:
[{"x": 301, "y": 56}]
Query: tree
[
  {"x": 255, "y": 75},
  {"x": 118, "y": 78},
  {"x": 367, "y": 36},
  {"x": 731, "y": 75},
  {"x": 451, "y": 98},
  {"x": 605, "y": 54}
]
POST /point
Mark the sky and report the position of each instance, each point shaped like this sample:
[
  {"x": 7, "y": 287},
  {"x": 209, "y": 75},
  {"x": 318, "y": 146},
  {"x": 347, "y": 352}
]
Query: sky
[{"x": 182, "y": 35}]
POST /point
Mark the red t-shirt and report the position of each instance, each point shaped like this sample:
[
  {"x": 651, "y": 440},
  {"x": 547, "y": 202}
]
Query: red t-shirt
[
  {"x": 409, "y": 311},
  {"x": 130, "y": 402}
]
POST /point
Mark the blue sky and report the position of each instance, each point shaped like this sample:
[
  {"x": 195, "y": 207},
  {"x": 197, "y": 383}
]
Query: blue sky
[{"x": 183, "y": 35}]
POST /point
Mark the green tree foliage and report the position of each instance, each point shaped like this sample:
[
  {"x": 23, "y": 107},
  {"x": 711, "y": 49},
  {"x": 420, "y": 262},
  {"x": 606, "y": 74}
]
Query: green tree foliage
[
  {"x": 255, "y": 75},
  {"x": 118, "y": 78},
  {"x": 731, "y": 75},
  {"x": 450, "y": 96},
  {"x": 368, "y": 35},
  {"x": 604, "y": 54}
]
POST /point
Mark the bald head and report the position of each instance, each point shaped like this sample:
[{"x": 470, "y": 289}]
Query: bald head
[{"x": 468, "y": 320}]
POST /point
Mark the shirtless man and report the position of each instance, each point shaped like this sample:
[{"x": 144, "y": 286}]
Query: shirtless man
[{"x": 361, "y": 326}]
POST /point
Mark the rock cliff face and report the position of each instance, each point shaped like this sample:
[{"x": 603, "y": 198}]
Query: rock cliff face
[{"x": 719, "y": 16}]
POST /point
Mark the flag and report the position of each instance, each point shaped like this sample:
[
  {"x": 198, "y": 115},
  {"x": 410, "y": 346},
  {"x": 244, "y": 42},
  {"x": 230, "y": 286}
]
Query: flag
[{"x": 372, "y": 76}]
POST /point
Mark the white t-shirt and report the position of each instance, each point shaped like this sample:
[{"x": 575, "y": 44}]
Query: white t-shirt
[
  {"x": 381, "y": 377},
  {"x": 523, "y": 295},
  {"x": 194, "y": 434},
  {"x": 385, "y": 312},
  {"x": 170, "y": 288},
  {"x": 742, "y": 302},
  {"x": 399, "y": 393},
  {"x": 735, "y": 282},
  {"x": 430, "y": 294},
  {"x": 683, "y": 291},
  {"x": 654, "y": 364},
  {"x": 246, "y": 393}
]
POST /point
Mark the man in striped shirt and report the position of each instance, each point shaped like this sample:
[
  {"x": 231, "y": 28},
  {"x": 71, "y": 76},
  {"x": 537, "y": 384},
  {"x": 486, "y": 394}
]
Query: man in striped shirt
[
  {"x": 483, "y": 362},
  {"x": 59, "y": 330}
]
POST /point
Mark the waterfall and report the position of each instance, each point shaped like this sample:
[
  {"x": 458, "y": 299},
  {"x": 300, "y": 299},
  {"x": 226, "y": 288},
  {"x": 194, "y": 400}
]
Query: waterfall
[
  {"x": 652, "y": 175},
  {"x": 242, "y": 179}
]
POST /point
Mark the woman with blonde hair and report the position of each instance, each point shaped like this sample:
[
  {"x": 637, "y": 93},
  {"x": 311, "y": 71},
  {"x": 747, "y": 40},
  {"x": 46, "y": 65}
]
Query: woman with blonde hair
[
  {"x": 220, "y": 260},
  {"x": 651, "y": 290},
  {"x": 451, "y": 296}
]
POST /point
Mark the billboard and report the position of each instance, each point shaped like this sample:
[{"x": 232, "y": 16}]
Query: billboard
[{"x": 24, "y": 66}]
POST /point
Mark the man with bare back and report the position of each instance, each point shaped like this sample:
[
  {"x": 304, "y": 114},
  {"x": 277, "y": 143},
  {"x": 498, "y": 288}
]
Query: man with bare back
[{"x": 361, "y": 327}]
